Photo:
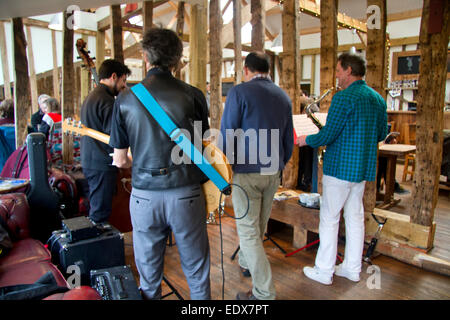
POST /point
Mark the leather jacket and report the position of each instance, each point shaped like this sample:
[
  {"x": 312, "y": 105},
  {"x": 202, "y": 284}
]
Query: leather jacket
[{"x": 133, "y": 126}]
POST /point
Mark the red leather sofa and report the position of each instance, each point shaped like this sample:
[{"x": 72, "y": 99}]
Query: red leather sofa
[{"x": 29, "y": 259}]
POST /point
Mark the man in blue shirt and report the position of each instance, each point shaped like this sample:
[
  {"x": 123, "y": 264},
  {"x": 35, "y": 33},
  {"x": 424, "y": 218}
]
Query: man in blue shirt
[
  {"x": 356, "y": 122},
  {"x": 258, "y": 132}
]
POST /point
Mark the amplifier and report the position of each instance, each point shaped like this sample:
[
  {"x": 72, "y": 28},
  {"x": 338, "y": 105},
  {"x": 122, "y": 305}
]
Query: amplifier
[
  {"x": 116, "y": 283},
  {"x": 80, "y": 228},
  {"x": 103, "y": 251}
]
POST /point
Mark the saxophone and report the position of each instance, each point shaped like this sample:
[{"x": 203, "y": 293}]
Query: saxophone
[{"x": 310, "y": 109}]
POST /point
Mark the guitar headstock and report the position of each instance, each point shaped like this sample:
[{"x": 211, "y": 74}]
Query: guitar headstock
[{"x": 70, "y": 126}]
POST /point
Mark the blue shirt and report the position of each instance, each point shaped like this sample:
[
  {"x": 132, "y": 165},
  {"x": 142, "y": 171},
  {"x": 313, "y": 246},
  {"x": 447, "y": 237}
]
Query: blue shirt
[
  {"x": 260, "y": 116},
  {"x": 356, "y": 122}
]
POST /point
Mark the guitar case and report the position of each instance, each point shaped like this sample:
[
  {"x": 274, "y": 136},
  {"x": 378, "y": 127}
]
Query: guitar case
[{"x": 44, "y": 209}]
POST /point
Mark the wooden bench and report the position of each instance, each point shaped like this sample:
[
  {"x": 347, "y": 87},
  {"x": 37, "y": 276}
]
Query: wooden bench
[{"x": 303, "y": 220}]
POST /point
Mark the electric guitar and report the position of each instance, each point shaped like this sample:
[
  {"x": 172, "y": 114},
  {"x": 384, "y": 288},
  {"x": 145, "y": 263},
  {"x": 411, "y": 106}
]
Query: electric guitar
[
  {"x": 89, "y": 63},
  {"x": 213, "y": 154}
]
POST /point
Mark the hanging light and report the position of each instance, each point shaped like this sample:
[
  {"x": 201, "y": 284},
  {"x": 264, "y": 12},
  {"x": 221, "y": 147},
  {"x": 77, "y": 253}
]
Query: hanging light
[
  {"x": 56, "y": 22},
  {"x": 277, "y": 44},
  {"x": 353, "y": 48}
]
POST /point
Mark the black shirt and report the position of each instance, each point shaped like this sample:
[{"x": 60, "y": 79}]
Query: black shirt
[{"x": 96, "y": 114}]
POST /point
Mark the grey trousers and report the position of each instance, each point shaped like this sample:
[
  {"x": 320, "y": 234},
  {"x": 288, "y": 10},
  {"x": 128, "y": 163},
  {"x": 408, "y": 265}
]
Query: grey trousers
[
  {"x": 251, "y": 229},
  {"x": 153, "y": 215}
]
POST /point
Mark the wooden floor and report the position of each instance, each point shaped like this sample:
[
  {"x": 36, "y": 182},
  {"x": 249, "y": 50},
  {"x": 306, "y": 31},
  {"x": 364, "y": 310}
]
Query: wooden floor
[{"x": 398, "y": 280}]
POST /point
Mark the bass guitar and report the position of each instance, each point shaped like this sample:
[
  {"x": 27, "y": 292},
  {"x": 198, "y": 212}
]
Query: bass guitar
[
  {"x": 211, "y": 152},
  {"x": 89, "y": 62}
]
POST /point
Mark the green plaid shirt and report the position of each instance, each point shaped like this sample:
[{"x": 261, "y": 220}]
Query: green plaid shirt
[{"x": 356, "y": 122}]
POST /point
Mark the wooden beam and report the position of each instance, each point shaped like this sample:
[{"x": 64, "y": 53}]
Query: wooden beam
[
  {"x": 180, "y": 29},
  {"x": 68, "y": 95},
  {"x": 32, "y": 71},
  {"x": 312, "y": 9},
  {"x": 105, "y": 23},
  {"x": 5, "y": 64},
  {"x": 100, "y": 48},
  {"x": 237, "y": 27},
  {"x": 198, "y": 41},
  {"x": 434, "y": 35},
  {"x": 147, "y": 15},
  {"x": 42, "y": 24},
  {"x": 215, "y": 54},
  {"x": 401, "y": 229},
  {"x": 227, "y": 30},
  {"x": 290, "y": 77},
  {"x": 375, "y": 76},
  {"x": 147, "y": 18},
  {"x": 312, "y": 88},
  {"x": 22, "y": 94},
  {"x": 116, "y": 31},
  {"x": 55, "y": 71},
  {"x": 328, "y": 52},
  {"x": 258, "y": 22},
  {"x": 85, "y": 80},
  {"x": 328, "y": 49}
]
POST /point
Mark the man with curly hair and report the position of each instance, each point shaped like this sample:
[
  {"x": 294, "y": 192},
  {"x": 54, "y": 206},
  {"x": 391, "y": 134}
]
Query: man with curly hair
[{"x": 166, "y": 196}]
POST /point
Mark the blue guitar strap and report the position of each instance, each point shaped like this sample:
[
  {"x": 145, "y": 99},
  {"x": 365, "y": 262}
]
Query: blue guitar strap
[{"x": 179, "y": 138}]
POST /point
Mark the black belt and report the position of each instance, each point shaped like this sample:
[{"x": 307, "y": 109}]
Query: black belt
[{"x": 163, "y": 171}]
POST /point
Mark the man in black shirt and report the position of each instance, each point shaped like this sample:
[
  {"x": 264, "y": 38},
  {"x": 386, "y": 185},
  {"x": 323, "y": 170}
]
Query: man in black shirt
[
  {"x": 36, "y": 117},
  {"x": 96, "y": 161}
]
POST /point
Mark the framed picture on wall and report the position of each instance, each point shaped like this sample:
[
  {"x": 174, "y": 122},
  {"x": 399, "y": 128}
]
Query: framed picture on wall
[{"x": 405, "y": 65}]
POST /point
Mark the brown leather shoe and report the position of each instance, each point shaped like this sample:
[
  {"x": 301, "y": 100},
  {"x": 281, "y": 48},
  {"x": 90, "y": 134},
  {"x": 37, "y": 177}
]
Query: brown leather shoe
[
  {"x": 245, "y": 296},
  {"x": 245, "y": 272}
]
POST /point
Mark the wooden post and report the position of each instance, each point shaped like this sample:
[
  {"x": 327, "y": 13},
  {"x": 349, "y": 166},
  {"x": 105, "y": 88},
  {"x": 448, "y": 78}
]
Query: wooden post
[
  {"x": 56, "y": 90},
  {"x": 85, "y": 79},
  {"x": 5, "y": 65},
  {"x": 198, "y": 46},
  {"x": 22, "y": 94},
  {"x": 434, "y": 34},
  {"x": 312, "y": 88},
  {"x": 215, "y": 54},
  {"x": 68, "y": 80},
  {"x": 328, "y": 60},
  {"x": 32, "y": 71},
  {"x": 116, "y": 33},
  {"x": 237, "y": 26},
  {"x": 375, "y": 75},
  {"x": 290, "y": 78},
  {"x": 328, "y": 49},
  {"x": 99, "y": 48},
  {"x": 147, "y": 18},
  {"x": 258, "y": 24},
  {"x": 180, "y": 29}
]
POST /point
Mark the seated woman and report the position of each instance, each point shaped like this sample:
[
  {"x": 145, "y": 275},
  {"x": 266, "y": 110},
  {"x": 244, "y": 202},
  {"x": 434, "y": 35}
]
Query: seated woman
[{"x": 52, "y": 116}]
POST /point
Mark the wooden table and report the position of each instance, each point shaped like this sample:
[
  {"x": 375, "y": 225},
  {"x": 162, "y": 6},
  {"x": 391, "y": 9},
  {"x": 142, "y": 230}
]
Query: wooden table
[
  {"x": 391, "y": 152},
  {"x": 8, "y": 185}
]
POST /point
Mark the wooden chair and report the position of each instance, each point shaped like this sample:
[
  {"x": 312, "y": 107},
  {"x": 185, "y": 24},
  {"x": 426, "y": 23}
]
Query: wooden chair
[{"x": 406, "y": 171}]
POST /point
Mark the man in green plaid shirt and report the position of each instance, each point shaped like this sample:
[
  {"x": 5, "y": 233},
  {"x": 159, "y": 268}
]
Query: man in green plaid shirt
[{"x": 356, "y": 122}]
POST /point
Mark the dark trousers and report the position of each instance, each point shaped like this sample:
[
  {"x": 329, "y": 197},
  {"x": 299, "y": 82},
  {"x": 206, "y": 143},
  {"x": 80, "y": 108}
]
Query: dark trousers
[{"x": 102, "y": 187}]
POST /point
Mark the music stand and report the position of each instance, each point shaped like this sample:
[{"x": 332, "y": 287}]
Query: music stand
[
  {"x": 267, "y": 238},
  {"x": 174, "y": 291}
]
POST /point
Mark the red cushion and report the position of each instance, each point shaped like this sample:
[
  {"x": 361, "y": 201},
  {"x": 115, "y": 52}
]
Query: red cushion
[
  {"x": 24, "y": 251},
  {"x": 28, "y": 273},
  {"x": 15, "y": 213}
]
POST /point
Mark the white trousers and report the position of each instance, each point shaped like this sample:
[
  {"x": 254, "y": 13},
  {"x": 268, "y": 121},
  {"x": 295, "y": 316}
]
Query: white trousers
[{"x": 338, "y": 194}]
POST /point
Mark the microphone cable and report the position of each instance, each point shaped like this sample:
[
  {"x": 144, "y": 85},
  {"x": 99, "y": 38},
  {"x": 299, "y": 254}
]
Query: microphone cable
[{"x": 222, "y": 210}]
